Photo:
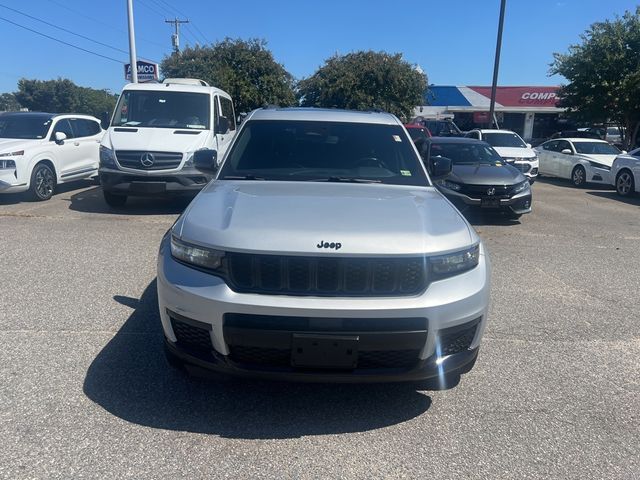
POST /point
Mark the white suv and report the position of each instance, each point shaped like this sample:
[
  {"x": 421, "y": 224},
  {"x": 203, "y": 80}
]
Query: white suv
[
  {"x": 511, "y": 148},
  {"x": 40, "y": 150},
  {"x": 322, "y": 251}
]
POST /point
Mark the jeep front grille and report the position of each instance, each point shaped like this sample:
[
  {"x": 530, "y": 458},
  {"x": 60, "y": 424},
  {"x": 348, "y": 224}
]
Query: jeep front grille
[{"x": 322, "y": 276}]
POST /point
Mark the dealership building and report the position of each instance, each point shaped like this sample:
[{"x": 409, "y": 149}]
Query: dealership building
[{"x": 532, "y": 112}]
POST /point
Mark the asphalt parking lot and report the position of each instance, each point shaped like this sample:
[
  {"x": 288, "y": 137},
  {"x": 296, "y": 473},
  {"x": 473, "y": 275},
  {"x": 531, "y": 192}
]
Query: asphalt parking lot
[{"x": 85, "y": 391}]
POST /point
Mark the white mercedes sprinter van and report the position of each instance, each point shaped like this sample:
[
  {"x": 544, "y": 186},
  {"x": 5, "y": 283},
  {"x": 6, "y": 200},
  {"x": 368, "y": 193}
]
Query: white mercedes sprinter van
[{"x": 148, "y": 148}]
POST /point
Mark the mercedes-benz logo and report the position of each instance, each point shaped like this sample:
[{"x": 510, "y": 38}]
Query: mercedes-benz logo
[
  {"x": 491, "y": 191},
  {"x": 147, "y": 159}
]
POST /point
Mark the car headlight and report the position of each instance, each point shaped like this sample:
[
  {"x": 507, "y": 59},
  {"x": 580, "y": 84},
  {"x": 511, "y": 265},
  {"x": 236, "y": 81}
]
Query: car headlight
[
  {"x": 450, "y": 185},
  {"x": 107, "y": 157},
  {"x": 12, "y": 154},
  {"x": 521, "y": 187},
  {"x": 7, "y": 164},
  {"x": 454, "y": 263},
  {"x": 200, "y": 257}
]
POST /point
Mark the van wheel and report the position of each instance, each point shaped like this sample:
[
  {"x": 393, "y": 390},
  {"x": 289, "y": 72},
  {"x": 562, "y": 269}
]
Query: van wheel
[
  {"x": 625, "y": 186},
  {"x": 579, "y": 176},
  {"x": 43, "y": 182},
  {"x": 114, "y": 200}
]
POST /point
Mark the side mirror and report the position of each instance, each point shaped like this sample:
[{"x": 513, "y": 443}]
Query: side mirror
[
  {"x": 223, "y": 125},
  {"x": 567, "y": 151},
  {"x": 241, "y": 117},
  {"x": 206, "y": 160},
  {"x": 104, "y": 120},
  {"x": 60, "y": 137},
  {"x": 529, "y": 145},
  {"x": 624, "y": 152},
  {"x": 440, "y": 167}
]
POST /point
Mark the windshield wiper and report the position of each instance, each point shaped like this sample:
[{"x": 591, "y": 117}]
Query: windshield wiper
[
  {"x": 241, "y": 177},
  {"x": 345, "y": 180}
]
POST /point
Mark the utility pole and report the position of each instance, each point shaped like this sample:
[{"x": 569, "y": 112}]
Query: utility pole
[
  {"x": 175, "y": 38},
  {"x": 496, "y": 65},
  {"x": 132, "y": 43}
]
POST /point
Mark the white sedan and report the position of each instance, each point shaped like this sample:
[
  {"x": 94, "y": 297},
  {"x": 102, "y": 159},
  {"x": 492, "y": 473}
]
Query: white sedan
[
  {"x": 581, "y": 160},
  {"x": 625, "y": 173},
  {"x": 40, "y": 150}
]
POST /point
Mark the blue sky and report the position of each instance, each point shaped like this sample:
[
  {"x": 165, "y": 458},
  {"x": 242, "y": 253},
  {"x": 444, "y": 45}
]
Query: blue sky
[{"x": 452, "y": 40}]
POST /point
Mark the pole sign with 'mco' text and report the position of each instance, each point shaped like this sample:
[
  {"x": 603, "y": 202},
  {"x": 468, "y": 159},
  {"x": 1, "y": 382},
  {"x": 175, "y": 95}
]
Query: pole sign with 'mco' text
[{"x": 147, "y": 71}]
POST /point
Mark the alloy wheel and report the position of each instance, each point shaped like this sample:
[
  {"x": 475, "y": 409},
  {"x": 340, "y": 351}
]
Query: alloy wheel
[
  {"x": 45, "y": 182},
  {"x": 624, "y": 183}
]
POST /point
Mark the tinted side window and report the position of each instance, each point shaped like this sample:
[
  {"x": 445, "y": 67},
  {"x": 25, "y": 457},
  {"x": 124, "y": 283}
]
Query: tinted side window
[
  {"x": 475, "y": 135},
  {"x": 63, "y": 126},
  {"x": 85, "y": 128},
  {"x": 226, "y": 110},
  {"x": 562, "y": 145},
  {"x": 551, "y": 146}
]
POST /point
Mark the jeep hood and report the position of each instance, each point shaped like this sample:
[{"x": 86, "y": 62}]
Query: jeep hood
[
  {"x": 155, "y": 139},
  {"x": 294, "y": 217}
]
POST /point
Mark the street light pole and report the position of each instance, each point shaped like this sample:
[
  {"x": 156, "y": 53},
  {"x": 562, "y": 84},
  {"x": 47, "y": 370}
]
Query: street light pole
[
  {"x": 132, "y": 43},
  {"x": 496, "y": 66}
]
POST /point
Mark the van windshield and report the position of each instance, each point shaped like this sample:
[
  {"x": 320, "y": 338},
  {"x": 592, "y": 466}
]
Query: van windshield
[{"x": 159, "y": 109}]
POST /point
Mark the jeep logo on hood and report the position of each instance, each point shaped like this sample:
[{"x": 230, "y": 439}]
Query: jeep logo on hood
[{"x": 332, "y": 245}]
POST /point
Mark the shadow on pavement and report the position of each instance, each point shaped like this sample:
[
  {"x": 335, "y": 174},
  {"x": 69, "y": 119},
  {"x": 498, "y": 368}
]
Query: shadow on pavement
[
  {"x": 92, "y": 201},
  {"x": 562, "y": 182},
  {"x": 24, "y": 197},
  {"x": 131, "y": 379},
  {"x": 633, "y": 200}
]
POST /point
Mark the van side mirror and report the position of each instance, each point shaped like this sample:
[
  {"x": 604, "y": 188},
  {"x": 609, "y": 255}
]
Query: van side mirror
[
  {"x": 223, "y": 125},
  {"x": 206, "y": 160},
  {"x": 104, "y": 120},
  {"x": 60, "y": 137},
  {"x": 440, "y": 167}
]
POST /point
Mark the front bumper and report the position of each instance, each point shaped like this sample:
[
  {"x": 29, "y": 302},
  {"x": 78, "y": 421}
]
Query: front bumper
[
  {"x": 518, "y": 204},
  {"x": 204, "y": 306},
  {"x": 10, "y": 182},
  {"x": 154, "y": 183}
]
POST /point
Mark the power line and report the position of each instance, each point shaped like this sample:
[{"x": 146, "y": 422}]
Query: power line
[
  {"x": 170, "y": 12},
  {"x": 168, "y": 7},
  {"x": 103, "y": 23},
  {"x": 61, "y": 41},
  {"x": 63, "y": 29}
]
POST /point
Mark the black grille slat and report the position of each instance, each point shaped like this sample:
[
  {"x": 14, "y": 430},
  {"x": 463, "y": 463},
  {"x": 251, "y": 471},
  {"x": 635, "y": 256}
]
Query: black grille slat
[
  {"x": 248, "y": 273},
  {"x": 191, "y": 336},
  {"x": 161, "y": 160},
  {"x": 456, "y": 341}
]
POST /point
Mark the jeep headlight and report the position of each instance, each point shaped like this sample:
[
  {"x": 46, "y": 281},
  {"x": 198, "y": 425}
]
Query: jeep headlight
[
  {"x": 107, "y": 157},
  {"x": 521, "y": 187},
  {"x": 454, "y": 263},
  {"x": 200, "y": 257}
]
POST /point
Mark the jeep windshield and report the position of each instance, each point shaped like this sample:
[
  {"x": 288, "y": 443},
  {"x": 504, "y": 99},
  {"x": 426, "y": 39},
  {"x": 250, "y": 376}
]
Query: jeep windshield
[
  {"x": 324, "y": 152},
  {"x": 466, "y": 153},
  {"x": 159, "y": 109}
]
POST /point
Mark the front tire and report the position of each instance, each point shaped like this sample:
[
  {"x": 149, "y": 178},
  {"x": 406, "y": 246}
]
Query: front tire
[
  {"x": 114, "y": 200},
  {"x": 625, "y": 184},
  {"x": 43, "y": 182},
  {"x": 579, "y": 176}
]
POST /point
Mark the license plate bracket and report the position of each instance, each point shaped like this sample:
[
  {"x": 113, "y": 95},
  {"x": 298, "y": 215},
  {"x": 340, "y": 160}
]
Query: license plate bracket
[
  {"x": 149, "y": 187},
  {"x": 490, "y": 202},
  {"x": 324, "y": 351}
]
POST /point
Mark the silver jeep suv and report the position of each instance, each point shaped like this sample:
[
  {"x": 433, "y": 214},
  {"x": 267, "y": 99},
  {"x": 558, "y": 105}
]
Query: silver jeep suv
[{"x": 322, "y": 252}]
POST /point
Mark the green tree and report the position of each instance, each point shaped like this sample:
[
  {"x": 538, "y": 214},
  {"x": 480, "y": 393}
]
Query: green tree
[
  {"x": 9, "y": 103},
  {"x": 245, "y": 69},
  {"x": 604, "y": 74},
  {"x": 365, "y": 80},
  {"x": 63, "y": 96}
]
